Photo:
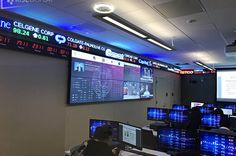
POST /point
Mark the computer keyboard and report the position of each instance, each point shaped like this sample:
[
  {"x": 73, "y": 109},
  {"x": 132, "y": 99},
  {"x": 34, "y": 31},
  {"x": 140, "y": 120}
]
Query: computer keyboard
[{"x": 141, "y": 153}]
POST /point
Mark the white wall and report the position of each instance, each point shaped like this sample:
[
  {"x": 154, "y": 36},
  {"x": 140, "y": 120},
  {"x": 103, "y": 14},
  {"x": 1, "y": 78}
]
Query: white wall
[{"x": 34, "y": 117}]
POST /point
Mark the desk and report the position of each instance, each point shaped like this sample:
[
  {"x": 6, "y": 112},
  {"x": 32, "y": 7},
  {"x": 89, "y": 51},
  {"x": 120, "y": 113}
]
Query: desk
[
  {"x": 147, "y": 128},
  {"x": 147, "y": 151}
]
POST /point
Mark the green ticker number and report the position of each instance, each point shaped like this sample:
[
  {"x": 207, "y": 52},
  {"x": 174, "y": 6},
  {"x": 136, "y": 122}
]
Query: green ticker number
[
  {"x": 42, "y": 37},
  {"x": 21, "y": 32}
]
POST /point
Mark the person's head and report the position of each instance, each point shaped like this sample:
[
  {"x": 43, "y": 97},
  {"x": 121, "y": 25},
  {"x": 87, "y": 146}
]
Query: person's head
[
  {"x": 219, "y": 111},
  {"x": 104, "y": 134}
]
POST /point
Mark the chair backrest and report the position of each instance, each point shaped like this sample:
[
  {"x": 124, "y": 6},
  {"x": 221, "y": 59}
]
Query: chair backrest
[
  {"x": 78, "y": 150},
  {"x": 149, "y": 140}
]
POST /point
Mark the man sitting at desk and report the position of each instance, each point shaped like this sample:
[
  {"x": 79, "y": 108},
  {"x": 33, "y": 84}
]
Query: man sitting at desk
[{"x": 100, "y": 144}]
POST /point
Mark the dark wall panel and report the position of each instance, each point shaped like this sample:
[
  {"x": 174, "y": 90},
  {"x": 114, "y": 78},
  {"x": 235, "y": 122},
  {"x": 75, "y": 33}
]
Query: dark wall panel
[{"x": 198, "y": 88}]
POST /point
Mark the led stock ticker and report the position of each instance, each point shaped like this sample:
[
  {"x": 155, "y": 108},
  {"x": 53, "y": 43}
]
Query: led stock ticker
[{"x": 34, "y": 33}]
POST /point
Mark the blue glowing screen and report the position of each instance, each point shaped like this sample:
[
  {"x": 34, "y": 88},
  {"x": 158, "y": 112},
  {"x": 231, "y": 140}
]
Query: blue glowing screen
[
  {"x": 231, "y": 106},
  {"x": 210, "y": 120},
  {"x": 204, "y": 110},
  {"x": 178, "y": 116},
  {"x": 97, "y": 123},
  {"x": 209, "y": 105},
  {"x": 213, "y": 144},
  {"x": 157, "y": 114},
  {"x": 180, "y": 107},
  {"x": 172, "y": 138}
]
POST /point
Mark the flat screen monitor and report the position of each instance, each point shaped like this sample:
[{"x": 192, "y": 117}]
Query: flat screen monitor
[
  {"x": 180, "y": 107},
  {"x": 209, "y": 105},
  {"x": 195, "y": 104},
  {"x": 210, "y": 120},
  {"x": 230, "y": 106},
  {"x": 176, "y": 116},
  {"x": 99, "y": 79},
  {"x": 227, "y": 111},
  {"x": 130, "y": 135},
  {"x": 176, "y": 139},
  {"x": 226, "y": 84},
  {"x": 94, "y": 123},
  {"x": 205, "y": 110},
  {"x": 157, "y": 114},
  {"x": 217, "y": 144}
]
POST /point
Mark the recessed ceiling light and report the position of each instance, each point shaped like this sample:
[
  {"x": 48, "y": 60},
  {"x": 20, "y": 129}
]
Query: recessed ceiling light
[{"x": 103, "y": 8}]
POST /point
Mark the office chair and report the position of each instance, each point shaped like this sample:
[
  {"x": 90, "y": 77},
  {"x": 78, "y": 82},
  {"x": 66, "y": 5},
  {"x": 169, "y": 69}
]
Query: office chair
[
  {"x": 76, "y": 150},
  {"x": 149, "y": 140}
]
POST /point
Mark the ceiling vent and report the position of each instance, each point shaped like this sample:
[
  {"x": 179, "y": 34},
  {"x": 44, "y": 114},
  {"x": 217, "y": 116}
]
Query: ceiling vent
[{"x": 178, "y": 8}]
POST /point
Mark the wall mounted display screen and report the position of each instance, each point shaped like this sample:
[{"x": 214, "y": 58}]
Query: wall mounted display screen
[
  {"x": 96, "y": 79},
  {"x": 226, "y": 85},
  {"x": 176, "y": 139},
  {"x": 158, "y": 114},
  {"x": 213, "y": 144}
]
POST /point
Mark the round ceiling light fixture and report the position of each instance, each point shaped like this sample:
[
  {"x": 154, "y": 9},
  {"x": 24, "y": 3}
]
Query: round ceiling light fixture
[{"x": 103, "y": 8}]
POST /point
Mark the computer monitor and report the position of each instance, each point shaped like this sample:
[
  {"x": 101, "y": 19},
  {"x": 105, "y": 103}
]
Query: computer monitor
[
  {"x": 232, "y": 123},
  {"x": 230, "y": 106},
  {"x": 94, "y": 123},
  {"x": 196, "y": 104},
  {"x": 130, "y": 135},
  {"x": 205, "y": 110},
  {"x": 177, "y": 116},
  {"x": 227, "y": 111},
  {"x": 176, "y": 139},
  {"x": 210, "y": 120},
  {"x": 217, "y": 144},
  {"x": 157, "y": 114},
  {"x": 180, "y": 107},
  {"x": 209, "y": 105}
]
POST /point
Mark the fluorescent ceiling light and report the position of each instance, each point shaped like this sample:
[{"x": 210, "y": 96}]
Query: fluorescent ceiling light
[
  {"x": 123, "y": 26},
  {"x": 203, "y": 65},
  {"x": 159, "y": 44}
]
